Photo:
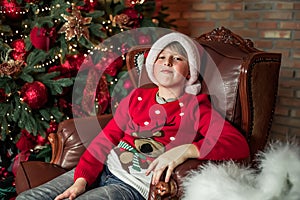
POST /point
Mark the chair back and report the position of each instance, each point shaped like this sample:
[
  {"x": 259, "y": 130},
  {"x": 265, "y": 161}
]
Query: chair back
[{"x": 244, "y": 77}]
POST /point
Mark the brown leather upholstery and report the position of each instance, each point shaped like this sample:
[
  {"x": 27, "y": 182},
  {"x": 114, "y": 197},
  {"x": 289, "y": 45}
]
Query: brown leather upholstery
[
  {"x": 250, "y": 81},
  {"x": 72, "y": 138},
  {"x": 33, "y": 173}
]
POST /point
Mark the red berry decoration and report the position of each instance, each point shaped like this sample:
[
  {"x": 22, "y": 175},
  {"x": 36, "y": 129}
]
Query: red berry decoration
[
  {"x": 34, "y": 94},
  {"x": 53, "y": 126},
  {"x": 19, "y": 50}
]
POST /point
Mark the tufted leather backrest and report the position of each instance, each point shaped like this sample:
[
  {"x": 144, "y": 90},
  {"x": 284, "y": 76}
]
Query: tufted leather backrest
[{"x": 229, "y": 65}]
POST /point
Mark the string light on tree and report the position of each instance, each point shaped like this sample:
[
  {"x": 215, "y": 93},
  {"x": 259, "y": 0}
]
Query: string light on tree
[{"x": 58, "y": 37}]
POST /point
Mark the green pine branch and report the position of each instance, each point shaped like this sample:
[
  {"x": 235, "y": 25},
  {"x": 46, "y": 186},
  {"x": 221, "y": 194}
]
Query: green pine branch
[
  {"x": 16, "y": 113},
  {"x": 55, "y": 86}
]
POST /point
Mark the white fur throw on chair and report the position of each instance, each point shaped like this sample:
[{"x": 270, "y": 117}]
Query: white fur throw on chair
[{"x": 277, "y": 179}]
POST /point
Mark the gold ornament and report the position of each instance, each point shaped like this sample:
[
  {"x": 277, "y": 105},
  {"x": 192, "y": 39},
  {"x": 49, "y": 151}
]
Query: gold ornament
[
  {"x": 76, "y": 25},
  {"x": 122, "y": 20},
  {"x": 11, "y": 68}
]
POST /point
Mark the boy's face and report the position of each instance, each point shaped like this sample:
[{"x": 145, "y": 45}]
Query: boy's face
[{"x": 171, "y": 68}]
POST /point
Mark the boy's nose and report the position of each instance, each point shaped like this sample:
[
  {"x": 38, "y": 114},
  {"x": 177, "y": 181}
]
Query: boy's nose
[{"x": 168, "y": 62}]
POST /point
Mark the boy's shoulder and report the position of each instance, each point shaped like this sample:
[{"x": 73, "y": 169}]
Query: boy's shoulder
[
  {"x": 141, "y": 93},
  {"x": 145, "y": 91},
  {"x": 200, "y": 96},
  {"x": 196, "y": 100}
]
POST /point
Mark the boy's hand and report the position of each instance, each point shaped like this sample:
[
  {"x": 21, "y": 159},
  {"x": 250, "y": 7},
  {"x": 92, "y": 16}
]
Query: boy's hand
[
  {"x": 170, "y": 160},
  {"x": 75, "y": 190}
]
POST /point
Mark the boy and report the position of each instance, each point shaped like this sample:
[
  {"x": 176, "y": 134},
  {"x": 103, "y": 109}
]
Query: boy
[{"x": 153, "y": 130}]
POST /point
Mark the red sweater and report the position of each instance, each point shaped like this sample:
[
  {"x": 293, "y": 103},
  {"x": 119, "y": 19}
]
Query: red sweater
[{"x": 190, "y": 119}]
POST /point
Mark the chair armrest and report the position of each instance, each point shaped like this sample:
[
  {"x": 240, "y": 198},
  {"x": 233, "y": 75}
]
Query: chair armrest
[
  {"x": 72, "y": 138},
  {"x": 173, "y": 189},
  {"x": 34, "y": 173},
  {"x": 67, "y": 145}
]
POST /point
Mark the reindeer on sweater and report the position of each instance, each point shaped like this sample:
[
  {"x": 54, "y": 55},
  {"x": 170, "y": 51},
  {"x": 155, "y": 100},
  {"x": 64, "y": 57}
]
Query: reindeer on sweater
[{"x": 146, "y": 147}]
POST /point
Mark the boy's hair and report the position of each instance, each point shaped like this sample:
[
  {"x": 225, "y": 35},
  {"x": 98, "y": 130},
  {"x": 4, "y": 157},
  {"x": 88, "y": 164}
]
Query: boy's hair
[{"x": 178, "y": 48}]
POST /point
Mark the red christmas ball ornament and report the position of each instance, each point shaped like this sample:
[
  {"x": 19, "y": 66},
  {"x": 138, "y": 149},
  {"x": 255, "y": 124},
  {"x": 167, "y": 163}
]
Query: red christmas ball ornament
[
  {"x": 35, "y": 94},
  {"x": 43, "y": 38},
  {"x": 11, "y": 9},
  {"x": 19, "y": 50}
]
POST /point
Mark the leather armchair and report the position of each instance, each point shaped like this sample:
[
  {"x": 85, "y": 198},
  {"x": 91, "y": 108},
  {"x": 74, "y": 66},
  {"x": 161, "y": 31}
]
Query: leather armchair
[{"x": 250, "y": 79}]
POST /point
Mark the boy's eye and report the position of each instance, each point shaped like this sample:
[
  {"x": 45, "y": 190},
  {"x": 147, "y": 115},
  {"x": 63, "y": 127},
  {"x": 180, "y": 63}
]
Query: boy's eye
[
  {"x": 178, "y": 58},
  {"x": 161, "y": 57}
]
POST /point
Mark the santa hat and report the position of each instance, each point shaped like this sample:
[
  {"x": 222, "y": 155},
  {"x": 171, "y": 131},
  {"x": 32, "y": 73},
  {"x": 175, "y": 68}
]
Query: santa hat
[{"x": 193, "y": 50}]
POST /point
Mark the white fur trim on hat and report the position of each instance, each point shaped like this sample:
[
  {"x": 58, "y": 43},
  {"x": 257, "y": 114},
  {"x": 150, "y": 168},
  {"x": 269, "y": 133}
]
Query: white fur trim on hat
[{"x": 193, "y": 85}]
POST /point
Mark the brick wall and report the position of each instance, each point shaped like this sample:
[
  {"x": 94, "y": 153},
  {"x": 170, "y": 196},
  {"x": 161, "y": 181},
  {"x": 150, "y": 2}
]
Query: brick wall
[{"x": 274, "y": 26}]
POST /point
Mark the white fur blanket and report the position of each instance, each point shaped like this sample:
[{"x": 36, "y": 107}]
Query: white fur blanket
[{"x": 277, "y": 179}]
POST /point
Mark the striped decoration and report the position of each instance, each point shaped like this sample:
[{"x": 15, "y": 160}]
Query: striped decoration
[{"x": 136, "y": 155}]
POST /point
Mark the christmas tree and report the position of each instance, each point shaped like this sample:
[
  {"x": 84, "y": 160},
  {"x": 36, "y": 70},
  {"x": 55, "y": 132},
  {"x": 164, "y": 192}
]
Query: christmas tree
[{"x": 42, "y": 46}]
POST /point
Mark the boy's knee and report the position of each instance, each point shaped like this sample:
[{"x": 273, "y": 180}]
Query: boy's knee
[
  {"x": 27, "y": 195},
  {"x": 22, "y": 196}
]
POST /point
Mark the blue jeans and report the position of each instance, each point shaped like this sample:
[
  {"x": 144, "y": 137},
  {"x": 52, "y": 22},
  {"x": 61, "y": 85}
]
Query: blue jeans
[{"x": 110, "y": 187}]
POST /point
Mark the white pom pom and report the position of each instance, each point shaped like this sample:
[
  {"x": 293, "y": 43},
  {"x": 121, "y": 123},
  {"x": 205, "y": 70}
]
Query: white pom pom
[{"x": 193, "y": 89}]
